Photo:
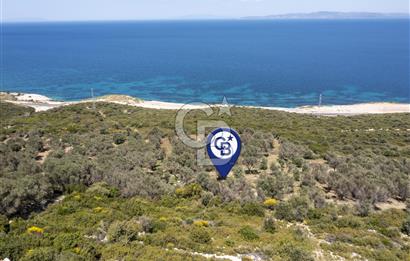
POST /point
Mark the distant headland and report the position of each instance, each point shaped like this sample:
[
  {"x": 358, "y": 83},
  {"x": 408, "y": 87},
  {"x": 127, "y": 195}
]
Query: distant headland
[{"x": 333, "y": 15}]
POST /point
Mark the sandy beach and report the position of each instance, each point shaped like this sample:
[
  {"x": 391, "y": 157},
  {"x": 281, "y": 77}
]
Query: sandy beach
[{"x": 43, "y": 103}]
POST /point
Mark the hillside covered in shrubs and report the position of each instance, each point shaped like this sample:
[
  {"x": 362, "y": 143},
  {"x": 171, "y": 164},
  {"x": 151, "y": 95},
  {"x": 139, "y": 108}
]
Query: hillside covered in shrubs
[{"x": 116, "y": 183}]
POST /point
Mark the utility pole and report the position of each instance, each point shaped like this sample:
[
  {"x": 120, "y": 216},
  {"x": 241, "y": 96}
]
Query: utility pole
[{"x": 320, "y": 100}]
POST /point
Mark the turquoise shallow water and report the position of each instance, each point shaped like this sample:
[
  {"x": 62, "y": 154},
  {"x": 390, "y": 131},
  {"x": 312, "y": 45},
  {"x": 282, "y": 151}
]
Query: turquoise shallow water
[{"x": 269, "y": 63}]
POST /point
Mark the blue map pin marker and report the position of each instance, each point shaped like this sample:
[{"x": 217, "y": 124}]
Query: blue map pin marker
[{"x": 224, "y": 147}]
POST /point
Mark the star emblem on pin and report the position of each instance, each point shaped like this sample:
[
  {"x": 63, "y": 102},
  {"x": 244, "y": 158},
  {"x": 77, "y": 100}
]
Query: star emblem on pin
[{"x": 225, "y": 108}]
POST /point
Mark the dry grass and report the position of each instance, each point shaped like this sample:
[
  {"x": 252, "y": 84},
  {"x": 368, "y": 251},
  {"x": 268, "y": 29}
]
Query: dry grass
[
  {"x": 119, "y": 98},
  {"x": 166, "y": 146},
  {"x": 390, "y": 204},
  {"x": 42, "y": 156},
  {"x": 7, "y": 97}
]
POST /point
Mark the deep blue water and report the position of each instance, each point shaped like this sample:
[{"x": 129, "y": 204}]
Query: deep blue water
[{"x": 271, "y": 63}]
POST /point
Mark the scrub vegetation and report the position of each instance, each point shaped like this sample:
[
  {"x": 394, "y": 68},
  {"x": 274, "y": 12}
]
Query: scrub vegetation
[{"x": 116, "y": 183}]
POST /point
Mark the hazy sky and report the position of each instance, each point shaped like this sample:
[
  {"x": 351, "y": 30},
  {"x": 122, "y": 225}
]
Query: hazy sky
[{"x": 62, "y": 10}]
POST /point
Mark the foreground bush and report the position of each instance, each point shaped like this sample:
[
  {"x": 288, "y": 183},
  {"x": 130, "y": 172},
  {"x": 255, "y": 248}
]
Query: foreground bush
[
  {"x": 253, "y": 209},
  {"x": 405, "y": 228},
  {"x": 124, "y": 231},
  {"x": 200, "y": 235},
  {"x": 248, "y": 233},
  {"x": 296, "y": 209},
  {"x": 269, "y": 225}
]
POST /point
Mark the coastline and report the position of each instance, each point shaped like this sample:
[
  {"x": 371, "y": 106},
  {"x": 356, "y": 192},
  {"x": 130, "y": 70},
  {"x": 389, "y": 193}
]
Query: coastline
[{"x": 43, "y": 103}]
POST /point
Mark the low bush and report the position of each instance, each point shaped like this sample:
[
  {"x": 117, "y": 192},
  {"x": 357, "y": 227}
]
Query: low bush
[
  {"x": 188, "y": 191},
  {"x": 200, "y": 235},
  {"x": 4, "y": 223},
  {"x": 269, "y": 225},
  {"x": 405, "y": 227},
  {"x": 147, "y": 224},
  {"x": 35, "y": 230},
  {"x": 124, "y": 231},
  {"x": 206, "y": 198},
  {"x": 41, "y": 254},
  {"x": 253, "y": 209},
  {"x": 66, "y": 241},
  {"x": 296, "y": 209},
  {"x": 295, "y": 253},
  {"x": 270, "y": 203},
  {"x": 201, "y": 223},
  {"x": 119, "y": 138},
  {"x": 248, "y": 233}
]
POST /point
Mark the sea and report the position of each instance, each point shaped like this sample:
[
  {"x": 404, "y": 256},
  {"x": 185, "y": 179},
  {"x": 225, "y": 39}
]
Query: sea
[{"x": 285, "y": 63}]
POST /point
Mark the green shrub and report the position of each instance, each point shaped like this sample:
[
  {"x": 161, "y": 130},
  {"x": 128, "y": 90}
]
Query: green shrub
[
  {"x": 264, "y": 164},
  {"x": 120, "y": 251},
  {"x": 134, "y": 207},
  {"x": 296, "y": 209},
  {"x": 188, "y": 191},
  {"x": 253, "y": 209},
  {"x": 124, "y": 231},
  {"x": 364, "y": 207},
  {"x": 248, "y": 233},
  {"x": 169, "y": 201},
  {"x": 66, "y": 241},
  {"x": 238, "y": 171},
  {"x": 349, "y": 221},
  {"x": 284, "y": 211},
  {"x": 119, "y": 138},
  {"x": 147, "y": 224},
  {"x": 167, "y": 240},
  {"x": 200, "y": 235},
  {"x": 206, "y": 198},
  {"x": 159, "y": 225},
  {"x": 4, "y": 224},
  {"x": 276, "y": 185},
  {"x": 392, "y": 232},
  {"x": 405, "y": 227},
  {"x": 408, "y": 205},
  {"x": 229, "y": 242},
  {"x": 316, "y": 213},
  {"x": 102, "y": 189},
  {"x": 298, "y": 162},
  {"x": 41, "y": 254},
  {"x": 269, "y": 225},
  {"x": 293, "y": 252}
]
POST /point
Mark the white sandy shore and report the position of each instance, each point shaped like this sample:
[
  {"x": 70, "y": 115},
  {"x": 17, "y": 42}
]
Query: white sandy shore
[{"x": 42, "y": 103}]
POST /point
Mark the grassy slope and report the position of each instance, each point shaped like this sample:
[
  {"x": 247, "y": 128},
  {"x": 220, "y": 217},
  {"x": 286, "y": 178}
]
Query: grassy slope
[
  {"x": 322, "y": 134},
  {"x": 70, "y": 227}
]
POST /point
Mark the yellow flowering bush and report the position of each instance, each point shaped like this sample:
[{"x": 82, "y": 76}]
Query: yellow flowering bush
[
  {"x": 97, "y": 198},
  {"x": 270, "y": 203},
  {"x": 98, "y": 209},
  {"x": 35, "y": 230},
  {"x": 179, "y": 191},
  {"x": 201, "y": 223},
  {"x": 188, "y": 191}
]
